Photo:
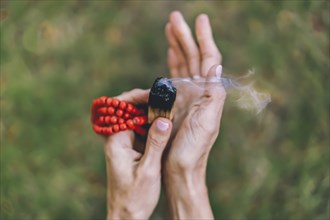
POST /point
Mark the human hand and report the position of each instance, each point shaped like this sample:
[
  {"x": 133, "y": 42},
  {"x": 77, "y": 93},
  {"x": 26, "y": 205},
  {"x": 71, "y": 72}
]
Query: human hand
[
  {"x": 186, "y": 58},
  {"x": 133, "y": 186},
  {"x": 185, "y": 164}
]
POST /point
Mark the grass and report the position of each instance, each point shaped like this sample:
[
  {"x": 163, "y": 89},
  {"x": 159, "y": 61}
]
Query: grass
[{"x": 57, "y": 56}]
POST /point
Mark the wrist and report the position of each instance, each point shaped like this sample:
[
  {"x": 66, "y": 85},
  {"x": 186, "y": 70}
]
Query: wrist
[
  {"x": 186, "y": 183},
  {"x": 187, "y": 196},
  {"x": 186, "y": 174}
]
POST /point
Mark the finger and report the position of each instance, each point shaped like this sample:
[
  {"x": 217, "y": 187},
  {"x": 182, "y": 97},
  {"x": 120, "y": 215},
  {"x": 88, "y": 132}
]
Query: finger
[
  {"x": 214, "y": 94},
  {"x": 123, "y": 145},
  {"x": 158, "y": 136},
  {"x": 209, "y": 50},
  {"x": 181, "y": 63},
  {"x": 172, "y": 63},
  {"x": 176, "y": 70},
  {"x": 135, "y": 96},
  {"x": 117, "y": 142},
  {"x": 184, "y": 37}
]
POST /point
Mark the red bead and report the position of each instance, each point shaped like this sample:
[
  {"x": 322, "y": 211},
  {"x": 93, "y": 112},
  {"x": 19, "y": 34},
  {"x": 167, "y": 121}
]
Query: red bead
[
  {"x": 103, "y": 99},
  {"x": 97, "y": 102},
  {"x": 94, "y": 105},
  {"x": 113, "y": 119},
  {"x": 108, "y": 130},
  {"x": 127, "y": 115},
  {"x": 130, "y": 124},
  {"x": 102, "y": 111},
  {"x": 116, "y": 128},
  {"x": 133, "y": 111},
  {"x": 115, "y": 102},
  {"x": 121, "y": 121},
  {"x": 119, "y": 112},
  {"x": 107, "y": 119},
  {"x": 140, "y": 120},
  {"x": 129, "y": 107},
  {"x": 109, "y": 101},
  {"x": 122, "y": 105},
  {"x": 101, "y": 119},
  {"x": 97, "y": 128},
  {"x": 123, "y": 127},
  {"x": 111, "y": 111},
  {"x": 136, "y": 120},
  {"x": 144, "y": 119}
]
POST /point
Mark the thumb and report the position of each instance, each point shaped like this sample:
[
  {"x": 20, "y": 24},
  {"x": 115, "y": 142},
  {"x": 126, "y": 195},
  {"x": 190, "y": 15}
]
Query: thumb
[
  {"x": 158, "y": 136},
  {"x": 213, "y": 85},
  {"x": 213, "y": 97},
  {"x": 214, "y": 93}
]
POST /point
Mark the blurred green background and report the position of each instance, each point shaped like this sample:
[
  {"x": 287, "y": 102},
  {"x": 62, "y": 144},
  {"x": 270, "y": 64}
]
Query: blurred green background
[{"x": 57, "y": 56}]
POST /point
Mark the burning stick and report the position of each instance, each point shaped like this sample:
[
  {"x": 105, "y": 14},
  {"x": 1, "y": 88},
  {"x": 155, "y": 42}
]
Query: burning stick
[{"x": 161, "y": 99}]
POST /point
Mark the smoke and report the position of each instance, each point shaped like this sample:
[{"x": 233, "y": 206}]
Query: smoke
[{"x": 242, "y": 89}]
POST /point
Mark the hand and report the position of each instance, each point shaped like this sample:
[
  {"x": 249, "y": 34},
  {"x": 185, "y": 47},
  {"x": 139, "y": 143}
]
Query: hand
[
  {"x": 133, "y": 178},
  {"x": 185, "y": 164},
  {"x": 186, "y": 59}
]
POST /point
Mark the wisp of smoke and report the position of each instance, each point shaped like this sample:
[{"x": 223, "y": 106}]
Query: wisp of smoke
[{"x": 248, "y": 97}]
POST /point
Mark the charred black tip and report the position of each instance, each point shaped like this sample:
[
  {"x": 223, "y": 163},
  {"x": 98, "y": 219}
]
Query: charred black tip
[{"x": 162, "y": 94}]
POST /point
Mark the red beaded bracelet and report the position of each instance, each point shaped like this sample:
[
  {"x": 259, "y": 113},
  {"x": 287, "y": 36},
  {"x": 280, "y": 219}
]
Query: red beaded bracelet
[{"x": 110, "y": 115}]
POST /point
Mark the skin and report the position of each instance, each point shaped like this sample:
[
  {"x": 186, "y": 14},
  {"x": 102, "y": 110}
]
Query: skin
[
  {"x": 185, "y": 164},
  {"x": 134, "y": 178}
]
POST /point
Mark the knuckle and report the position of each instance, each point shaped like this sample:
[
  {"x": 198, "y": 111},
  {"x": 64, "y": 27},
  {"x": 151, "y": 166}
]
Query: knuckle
[
  {"x": 208, "y": 54},
  {"x": 156, "y": 143},
  {"x": 136, "y": 90},
  {"x": 124, "y": 93},
  {"x": 183, "y": 32}
]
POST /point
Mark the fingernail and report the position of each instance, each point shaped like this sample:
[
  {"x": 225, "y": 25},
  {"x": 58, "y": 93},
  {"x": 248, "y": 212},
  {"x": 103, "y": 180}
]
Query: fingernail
[
  {"x": 218, "y": 71},
  {"x": 162, "y": 125}
]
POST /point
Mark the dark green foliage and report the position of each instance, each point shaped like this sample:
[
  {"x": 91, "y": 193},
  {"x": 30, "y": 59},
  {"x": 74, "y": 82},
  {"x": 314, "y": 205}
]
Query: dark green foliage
[{"x": 57, "y": 56}]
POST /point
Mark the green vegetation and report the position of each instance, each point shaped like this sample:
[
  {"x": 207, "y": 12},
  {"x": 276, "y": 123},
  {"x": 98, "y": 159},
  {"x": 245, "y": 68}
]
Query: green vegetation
[{"x": 57, "y": 56}]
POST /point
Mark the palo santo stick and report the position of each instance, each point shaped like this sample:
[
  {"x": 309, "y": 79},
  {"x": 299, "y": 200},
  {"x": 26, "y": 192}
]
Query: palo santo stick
[{"x": 161, "y": 99}]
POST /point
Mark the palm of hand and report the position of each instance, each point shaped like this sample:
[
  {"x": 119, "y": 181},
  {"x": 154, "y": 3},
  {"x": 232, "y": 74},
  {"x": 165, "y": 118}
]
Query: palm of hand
[
  {"x": 129, "y": 180},
  {"x": 133, "y": 177},
  {"x": 193, "y": 137}
]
